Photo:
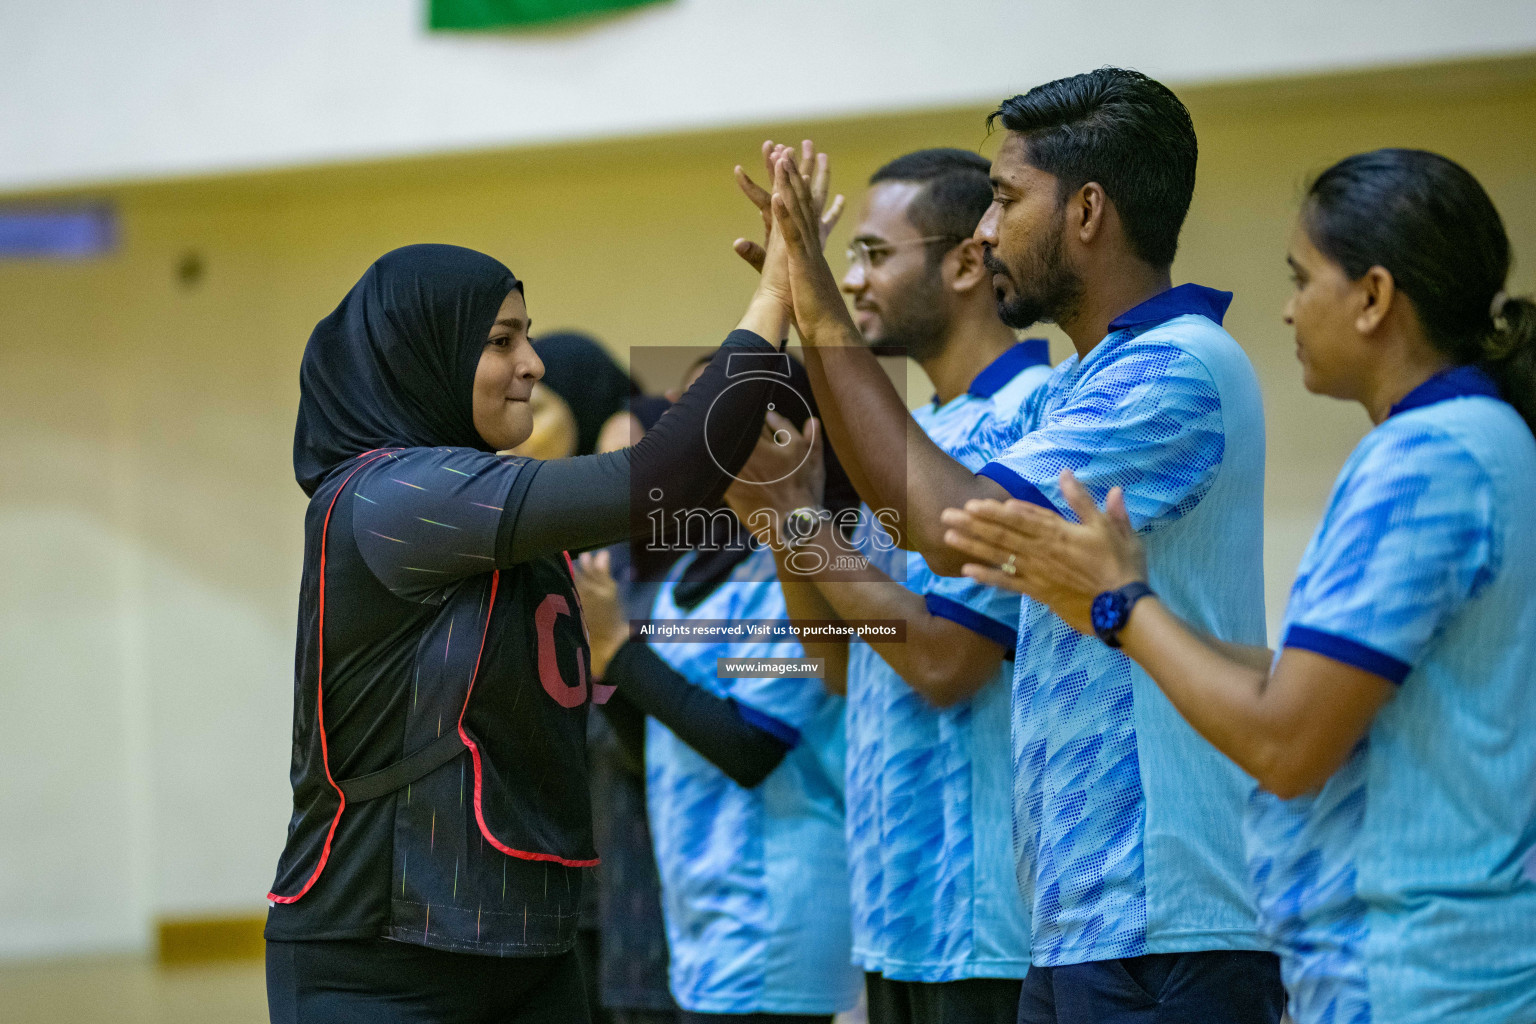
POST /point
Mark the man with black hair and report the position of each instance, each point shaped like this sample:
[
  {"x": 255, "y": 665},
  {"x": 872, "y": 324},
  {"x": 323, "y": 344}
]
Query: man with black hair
[
  {"x": 1126, "y": 822},
  {"x": 938, "y": 926}
]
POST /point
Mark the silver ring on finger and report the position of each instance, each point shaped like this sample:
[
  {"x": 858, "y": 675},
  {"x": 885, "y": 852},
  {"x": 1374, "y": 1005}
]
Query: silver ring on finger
[{"x": 1010, "y": 565}]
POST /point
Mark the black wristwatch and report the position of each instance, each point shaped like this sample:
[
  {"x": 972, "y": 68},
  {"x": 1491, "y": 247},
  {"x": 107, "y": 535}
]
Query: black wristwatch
[
  {"x": 1112, "y": 609},
  {"x": 801, "y": 526}
]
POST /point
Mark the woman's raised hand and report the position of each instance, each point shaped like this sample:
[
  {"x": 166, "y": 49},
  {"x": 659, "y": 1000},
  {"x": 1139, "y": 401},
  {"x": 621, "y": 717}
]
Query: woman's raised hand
[{"x": 819, "y": 181}]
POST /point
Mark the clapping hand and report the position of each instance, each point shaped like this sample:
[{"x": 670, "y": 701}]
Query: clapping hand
[{"x": 1061, "y": 564}]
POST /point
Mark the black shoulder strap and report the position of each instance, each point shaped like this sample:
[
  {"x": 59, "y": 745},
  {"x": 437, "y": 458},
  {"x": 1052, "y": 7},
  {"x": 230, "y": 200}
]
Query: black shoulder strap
[{"x": 405, "y": 771}]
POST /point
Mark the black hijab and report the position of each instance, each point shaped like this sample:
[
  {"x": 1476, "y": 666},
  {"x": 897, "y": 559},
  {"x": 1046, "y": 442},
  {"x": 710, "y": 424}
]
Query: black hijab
[
  {"x": 394, "y": 365},
  {"x": 580, "y": 370}
]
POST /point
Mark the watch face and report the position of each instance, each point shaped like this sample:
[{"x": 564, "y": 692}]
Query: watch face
[
  {"x": 1108, "y": 611},
  {"x": 800, "y": 525}
]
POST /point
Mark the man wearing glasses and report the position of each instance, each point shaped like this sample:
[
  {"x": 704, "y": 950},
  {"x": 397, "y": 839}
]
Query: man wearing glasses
[{"x": 938, "y": 923}]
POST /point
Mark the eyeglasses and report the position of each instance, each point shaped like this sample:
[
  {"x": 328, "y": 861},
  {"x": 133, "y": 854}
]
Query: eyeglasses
[{"x": 863, "y": 254}]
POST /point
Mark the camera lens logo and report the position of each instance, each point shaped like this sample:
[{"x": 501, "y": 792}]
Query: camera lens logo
[{"x": 743, "y": 368}]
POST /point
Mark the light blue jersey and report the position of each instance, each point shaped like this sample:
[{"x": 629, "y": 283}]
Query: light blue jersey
[
  {"x": 1126, "y": 822},
  {"x": 754, "y": 881},
  {"x": 934, "y": 897},
  {"x": 1404, "y": 890}
]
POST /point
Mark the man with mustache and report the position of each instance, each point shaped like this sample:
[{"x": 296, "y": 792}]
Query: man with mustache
[
  {"x": 938, "y": 926},
  {"x": 1126, "y": 822}
]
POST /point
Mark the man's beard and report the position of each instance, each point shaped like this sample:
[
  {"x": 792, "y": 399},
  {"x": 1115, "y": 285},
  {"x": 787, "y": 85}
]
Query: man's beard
[
  {"x": 1045, "y": 288},
  {"x": 915, "y": 326}
]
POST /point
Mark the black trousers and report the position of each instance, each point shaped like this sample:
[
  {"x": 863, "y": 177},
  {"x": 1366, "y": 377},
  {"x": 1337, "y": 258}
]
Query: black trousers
[
  {"x": 378, "y": 981},
  {"x": 1211, "y": 987},
  {"x": 968, "y": 1001},
  {"x": 644, "y": 1016}
]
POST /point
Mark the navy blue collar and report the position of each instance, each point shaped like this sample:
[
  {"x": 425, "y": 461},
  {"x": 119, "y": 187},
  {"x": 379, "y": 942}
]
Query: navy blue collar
[
  {"x": 1023, "y": 355},
  {"x": 1457, "y": 382},
  {"x": 1186, "y": 298}
]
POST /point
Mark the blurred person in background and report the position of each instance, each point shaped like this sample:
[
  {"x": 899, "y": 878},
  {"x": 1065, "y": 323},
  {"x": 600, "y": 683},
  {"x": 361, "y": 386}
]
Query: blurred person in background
[
  {"x": 938, "y": 924},
  {"x": 441, "y": 813},
  {"x": 1126, "y": 821},
  {"x": 582, "y": 389},
  {"x": 621, "y": 938},
  {"x": 1392, "y": 832},
  {"x": 632, "y": 976},
  {"x": 743, "y": 782}
]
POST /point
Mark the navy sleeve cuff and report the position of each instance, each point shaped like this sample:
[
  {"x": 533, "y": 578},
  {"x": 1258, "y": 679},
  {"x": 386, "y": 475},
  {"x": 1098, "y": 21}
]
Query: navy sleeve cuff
[
  {"x": 781, "y": 731},
  {"x": 944, "y": 608},
  {"x": 1348, "y": 652},
  {"x": 1017, "y": 485}
]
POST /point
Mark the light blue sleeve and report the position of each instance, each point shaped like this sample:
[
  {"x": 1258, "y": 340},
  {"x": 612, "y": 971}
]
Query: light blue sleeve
[
  {"x": 1148, "y": 421},
  {"x": 1408, "y": 539}
]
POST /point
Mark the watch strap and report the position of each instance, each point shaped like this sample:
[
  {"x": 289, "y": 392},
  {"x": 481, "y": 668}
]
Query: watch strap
[{"x": 1129, "y": 595}]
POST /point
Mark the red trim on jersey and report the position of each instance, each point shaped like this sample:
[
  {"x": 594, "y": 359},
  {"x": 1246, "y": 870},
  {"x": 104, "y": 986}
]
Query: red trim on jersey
[
  {"x": 325, "y": 756},
  {"x": 474, "y": 751},
  {"x": 474, "y": 754}
]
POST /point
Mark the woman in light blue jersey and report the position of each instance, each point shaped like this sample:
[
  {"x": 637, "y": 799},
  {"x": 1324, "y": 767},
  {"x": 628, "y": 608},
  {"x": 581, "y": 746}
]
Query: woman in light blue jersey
[
  {"x": 1392, "y": 836},
  {"x": 744, "y": 776}
]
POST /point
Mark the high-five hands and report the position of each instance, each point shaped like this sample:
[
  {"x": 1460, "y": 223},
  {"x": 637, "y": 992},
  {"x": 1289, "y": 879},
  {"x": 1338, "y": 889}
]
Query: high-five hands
[
  {"x": 819, "y": 182},
  {"x": 770, "y": 258},
  {"x": 820, "y": 315},
  {"x": 1061, "y": 564}
]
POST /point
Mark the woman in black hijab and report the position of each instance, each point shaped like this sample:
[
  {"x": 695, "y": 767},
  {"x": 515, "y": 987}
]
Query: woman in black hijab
[{"x": 441, "y": 683}]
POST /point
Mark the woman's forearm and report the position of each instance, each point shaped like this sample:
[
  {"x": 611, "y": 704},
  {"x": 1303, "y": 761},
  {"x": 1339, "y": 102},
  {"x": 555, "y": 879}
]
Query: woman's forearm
[
  {"x": 1252, "y": 655},
  {"x": 1290, "y": 726},
  {"x": 685, "y": 462},
  {"x": 767, "y": 318},
  {"x": 716, "y": 727},
  {"x": 1290, "y": 729}
]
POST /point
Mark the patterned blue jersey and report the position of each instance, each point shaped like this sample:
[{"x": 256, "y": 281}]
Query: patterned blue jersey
[
  {"x": 934, "y": 897},
  {"x": 1404, "y": 890},
  {"x": 1126, "y": 822},
  {"x": 754, "y": 881}
]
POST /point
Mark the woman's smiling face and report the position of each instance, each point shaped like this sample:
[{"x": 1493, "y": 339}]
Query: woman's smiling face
[{"x": 504, "y": 379}]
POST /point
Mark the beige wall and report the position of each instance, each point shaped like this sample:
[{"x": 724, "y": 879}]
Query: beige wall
[
  {"x": 97, "y": 92},
  {"x": 150, "y": 526}
]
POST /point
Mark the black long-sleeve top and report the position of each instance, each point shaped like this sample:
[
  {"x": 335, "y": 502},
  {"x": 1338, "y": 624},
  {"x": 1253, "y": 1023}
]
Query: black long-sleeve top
[{"x": 448, "y": 604}]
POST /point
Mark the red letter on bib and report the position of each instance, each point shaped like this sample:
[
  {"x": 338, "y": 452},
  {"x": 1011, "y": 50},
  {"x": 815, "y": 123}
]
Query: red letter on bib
[{"x": 549, "y": 609}]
